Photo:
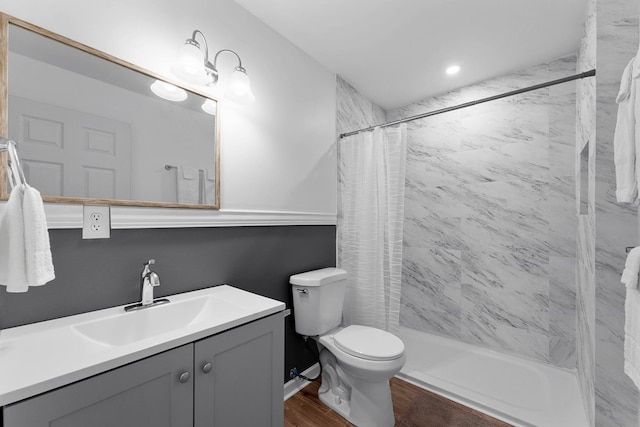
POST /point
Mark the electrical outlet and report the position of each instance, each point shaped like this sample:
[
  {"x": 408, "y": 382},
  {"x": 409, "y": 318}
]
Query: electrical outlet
[{"x": 96, "y": 222}]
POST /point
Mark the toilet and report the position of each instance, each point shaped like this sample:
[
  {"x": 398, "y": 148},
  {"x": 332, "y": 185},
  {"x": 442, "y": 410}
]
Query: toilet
[{"x": 357, "y": 361}]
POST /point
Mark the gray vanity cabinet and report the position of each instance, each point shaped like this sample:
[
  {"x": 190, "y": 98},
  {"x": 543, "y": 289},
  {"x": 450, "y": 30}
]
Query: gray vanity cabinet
[
  {"x": 143, "y": 393},
  {"x": 241, "y": 386},
  {"x": 238, "y": 376}
]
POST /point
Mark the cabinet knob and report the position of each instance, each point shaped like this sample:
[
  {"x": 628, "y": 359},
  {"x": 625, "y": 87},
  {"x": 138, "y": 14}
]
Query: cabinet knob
[
  {"x": 206, "y": 368},
  {"x": 184, "y": 377}
]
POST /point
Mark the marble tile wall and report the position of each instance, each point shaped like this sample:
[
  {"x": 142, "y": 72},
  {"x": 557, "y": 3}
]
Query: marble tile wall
[
  {"x": 585, "y": 267},
  {"x": 490, "y": 246},
  {"x": 616, "y": 398},
  {"x": 354, "y": 111}
]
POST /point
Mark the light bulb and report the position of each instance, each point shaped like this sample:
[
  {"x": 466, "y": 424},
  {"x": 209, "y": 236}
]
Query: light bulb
[
  {"x": 454, "y": 69},
  {"x": 239, "y": 89},
  {"x": 190, "y": 58},
  {"x": 168, "y": 91},
  {"x": 210, "y": 107},
  {"x": 190, "y": 65},
  {"x": 239, "y": 83}
]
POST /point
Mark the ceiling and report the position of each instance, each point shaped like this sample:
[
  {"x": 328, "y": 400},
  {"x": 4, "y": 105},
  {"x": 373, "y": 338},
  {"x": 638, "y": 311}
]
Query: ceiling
[{"x": 395, "y": 52}]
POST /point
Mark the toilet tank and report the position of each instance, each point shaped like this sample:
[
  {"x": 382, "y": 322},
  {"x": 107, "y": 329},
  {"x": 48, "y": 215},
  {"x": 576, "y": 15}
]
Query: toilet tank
[{"x": 318, "y": 296}]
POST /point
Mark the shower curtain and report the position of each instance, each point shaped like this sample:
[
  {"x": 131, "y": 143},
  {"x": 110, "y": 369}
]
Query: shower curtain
[{"x": 370, "y": 217}]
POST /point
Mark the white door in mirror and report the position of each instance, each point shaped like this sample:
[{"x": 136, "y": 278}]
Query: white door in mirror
[
  {"x": 96, "y": 222},
  {"x": 70, "y": 153}
]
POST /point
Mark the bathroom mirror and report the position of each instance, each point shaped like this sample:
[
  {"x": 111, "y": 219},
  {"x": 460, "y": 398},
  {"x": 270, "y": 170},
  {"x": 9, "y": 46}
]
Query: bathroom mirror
[{"x": 91, "y": 129}]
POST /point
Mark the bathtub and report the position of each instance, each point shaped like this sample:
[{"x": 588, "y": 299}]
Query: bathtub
[{"x": 519, "y": 391}]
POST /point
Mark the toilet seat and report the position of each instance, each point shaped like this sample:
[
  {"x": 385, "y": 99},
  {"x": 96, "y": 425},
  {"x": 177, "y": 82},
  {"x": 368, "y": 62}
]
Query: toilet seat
[{"x": 369, "y": 343}]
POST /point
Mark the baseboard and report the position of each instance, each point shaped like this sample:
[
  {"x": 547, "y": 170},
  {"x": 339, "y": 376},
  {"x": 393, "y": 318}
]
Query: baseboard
[{"x": 293, "y": 386}]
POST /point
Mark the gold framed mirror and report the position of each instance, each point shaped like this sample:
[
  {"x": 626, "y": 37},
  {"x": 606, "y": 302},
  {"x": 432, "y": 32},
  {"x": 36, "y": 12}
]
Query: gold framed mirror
[{"x": 94, "y": 129}]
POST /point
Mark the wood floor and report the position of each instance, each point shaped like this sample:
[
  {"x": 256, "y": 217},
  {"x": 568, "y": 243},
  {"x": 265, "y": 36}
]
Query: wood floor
[{"x": 412, "y": 407}]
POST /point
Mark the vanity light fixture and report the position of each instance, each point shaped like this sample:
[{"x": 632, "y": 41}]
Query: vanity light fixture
[
  {"x": 168, "y": 91},
  {"x": 194, "y": 67},
  {"x": 454, "y": 69}
]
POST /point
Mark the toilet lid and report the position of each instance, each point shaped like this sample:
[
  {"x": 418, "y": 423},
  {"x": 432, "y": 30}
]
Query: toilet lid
[{"x": 369, "y": 343}]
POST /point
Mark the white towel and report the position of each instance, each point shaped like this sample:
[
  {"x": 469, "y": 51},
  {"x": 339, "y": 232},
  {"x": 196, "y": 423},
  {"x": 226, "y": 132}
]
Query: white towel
[
  {"x": 632, "y": 316},
  {"x": 188, "y": 185},
  {"x": 210, "y": 187},
  {"x": 36, "y": 236},
  {"x": 626, "y": 140},
  {"x": 13, "y": 272},
  {"x": 632, "y": 335},
  {"x": 25, "y": 254},
  {"x": 631, "y": 269}
]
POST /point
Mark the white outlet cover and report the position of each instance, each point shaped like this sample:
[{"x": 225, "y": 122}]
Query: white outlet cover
[{"x": 96, "y": 222}]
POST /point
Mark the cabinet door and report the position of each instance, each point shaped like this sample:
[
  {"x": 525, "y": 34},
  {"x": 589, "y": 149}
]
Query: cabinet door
[
  {"x": 144, "y": 393},
  {"x": 244, "y": 387}
]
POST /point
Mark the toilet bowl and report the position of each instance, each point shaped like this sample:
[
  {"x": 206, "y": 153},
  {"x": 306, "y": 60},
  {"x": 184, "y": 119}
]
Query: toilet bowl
[
  {"x": 357, "y": 361},
  {"x": 378, "y": 358},
  {"x": 359, "y": 390}
]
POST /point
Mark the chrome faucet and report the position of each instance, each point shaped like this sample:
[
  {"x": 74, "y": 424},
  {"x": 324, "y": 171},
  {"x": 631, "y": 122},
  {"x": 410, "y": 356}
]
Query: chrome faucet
[{"x": 148, "y": 280}]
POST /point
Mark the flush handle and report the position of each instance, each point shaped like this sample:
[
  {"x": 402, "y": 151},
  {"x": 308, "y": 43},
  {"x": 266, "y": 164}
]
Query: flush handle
[
  {"x": 303, "y": 291},
  {"x": 184, "y": 377},
  {"x": 206, "y": 368}
]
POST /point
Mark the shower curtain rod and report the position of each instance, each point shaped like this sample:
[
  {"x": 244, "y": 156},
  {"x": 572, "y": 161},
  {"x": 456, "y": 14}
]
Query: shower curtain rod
[{"x": 589, "y": 73}]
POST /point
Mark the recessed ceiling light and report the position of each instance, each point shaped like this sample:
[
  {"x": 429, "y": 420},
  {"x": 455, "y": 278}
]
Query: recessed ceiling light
[{"x": 454, "y": 69}]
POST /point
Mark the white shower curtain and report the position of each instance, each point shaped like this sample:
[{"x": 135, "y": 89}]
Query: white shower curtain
[{"x": 370, "y": 218}]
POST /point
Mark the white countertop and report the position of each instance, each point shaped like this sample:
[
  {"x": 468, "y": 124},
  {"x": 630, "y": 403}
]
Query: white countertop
[{"x": 42, "y": 356}]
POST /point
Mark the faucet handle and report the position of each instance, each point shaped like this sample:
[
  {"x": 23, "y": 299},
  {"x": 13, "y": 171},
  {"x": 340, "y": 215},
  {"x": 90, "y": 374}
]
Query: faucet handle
[
  {"x": 146, "y": 270},
  {"x": 154, "y": 279}
]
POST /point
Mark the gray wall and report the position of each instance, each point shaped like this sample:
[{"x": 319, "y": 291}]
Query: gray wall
[{"x": 96, "y": 274}]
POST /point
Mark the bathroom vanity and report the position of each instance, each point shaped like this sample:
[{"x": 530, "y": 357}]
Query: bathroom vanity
[{"x": 221, "y": 365}]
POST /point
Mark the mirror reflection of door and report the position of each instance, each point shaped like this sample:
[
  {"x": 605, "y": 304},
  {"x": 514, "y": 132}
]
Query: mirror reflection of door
[{"x": 71, "y": 153}]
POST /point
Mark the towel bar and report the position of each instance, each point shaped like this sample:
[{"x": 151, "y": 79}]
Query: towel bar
[{"x": 16, "y": 173}]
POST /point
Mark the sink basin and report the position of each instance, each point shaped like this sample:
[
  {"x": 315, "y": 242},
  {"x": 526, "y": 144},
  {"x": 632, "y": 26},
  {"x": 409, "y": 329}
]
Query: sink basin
[{"x": 129, "y": 327}]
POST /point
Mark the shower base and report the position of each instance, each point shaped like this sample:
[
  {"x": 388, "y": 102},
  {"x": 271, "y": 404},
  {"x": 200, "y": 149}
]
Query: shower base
[{"x": 519, "y": 391}]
